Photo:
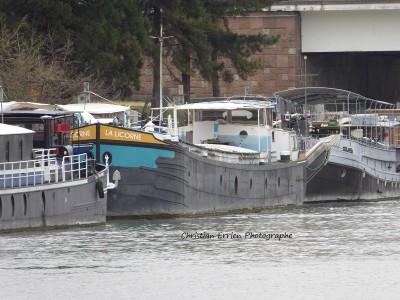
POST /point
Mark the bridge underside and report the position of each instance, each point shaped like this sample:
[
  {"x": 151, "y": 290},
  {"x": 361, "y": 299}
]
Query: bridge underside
[
  {"x": 356, "y": 50},
  {"x": 375, "y": 75}
]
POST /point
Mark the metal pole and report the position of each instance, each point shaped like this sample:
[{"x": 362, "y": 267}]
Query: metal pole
[
  {"x": 305, "y": 92},
  {"x": 161, "y": 40},
  {"x": 161, "y": 84},
  {"x": 1, "y": 101}
]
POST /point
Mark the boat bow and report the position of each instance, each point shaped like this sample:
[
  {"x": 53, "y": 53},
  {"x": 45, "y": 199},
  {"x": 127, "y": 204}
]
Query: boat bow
[{"x": 317, "y": 156}]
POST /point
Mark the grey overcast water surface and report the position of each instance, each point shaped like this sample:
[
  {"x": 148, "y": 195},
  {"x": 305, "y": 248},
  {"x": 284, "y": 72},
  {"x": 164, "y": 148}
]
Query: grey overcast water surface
[{"x": 330, "y": 251}]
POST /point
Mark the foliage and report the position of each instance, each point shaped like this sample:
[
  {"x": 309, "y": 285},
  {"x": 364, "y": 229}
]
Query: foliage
[
  {"x": 109, "y": 39},
  {"x": 107, "y": 35},
  {"x": 203, "y": 42}
]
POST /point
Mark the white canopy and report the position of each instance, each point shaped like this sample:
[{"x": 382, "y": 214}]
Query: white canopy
[
  {"x": 14, "y": 105},
  {"x": 227, "y": 105},
  {"x": 6, "y": 129},
  {"x": 94, "y": 108}
]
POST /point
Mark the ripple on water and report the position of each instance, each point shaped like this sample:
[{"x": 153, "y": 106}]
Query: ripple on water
[{"x": 330, "y": 242}]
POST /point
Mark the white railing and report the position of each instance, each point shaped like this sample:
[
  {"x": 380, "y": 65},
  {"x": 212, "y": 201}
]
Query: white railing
[
  {"x": 74, "y": 165},
  {"x": 45, "y": 169}
]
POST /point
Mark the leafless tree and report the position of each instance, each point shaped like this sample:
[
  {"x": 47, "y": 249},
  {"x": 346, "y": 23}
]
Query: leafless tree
[{"x": 32, "y": 69}]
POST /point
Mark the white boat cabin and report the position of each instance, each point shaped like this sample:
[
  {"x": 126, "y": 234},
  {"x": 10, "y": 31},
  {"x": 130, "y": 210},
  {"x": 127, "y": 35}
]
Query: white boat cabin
[{"x": 237, "y": 123}]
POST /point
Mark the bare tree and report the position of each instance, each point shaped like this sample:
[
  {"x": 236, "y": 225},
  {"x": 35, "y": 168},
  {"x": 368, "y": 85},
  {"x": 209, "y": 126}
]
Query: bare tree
[{"x": 33, "y": 69}]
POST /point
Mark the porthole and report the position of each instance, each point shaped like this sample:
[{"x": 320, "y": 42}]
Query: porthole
[
  {"x": 243, "y": 134},
  {"x": 236, "y": 185},
  {"x": 251, "y": 183},
  {"x": 25, "y": 205},
  {"x": 12, "y": 206},
  {"x": 108, "y": 155},
  {"x": 43, "y": 202}
]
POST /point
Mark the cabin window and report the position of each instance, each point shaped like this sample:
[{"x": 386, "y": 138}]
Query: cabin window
[
  {"x": 243, "y": 116},
  {"x": 210, "y": 115}
]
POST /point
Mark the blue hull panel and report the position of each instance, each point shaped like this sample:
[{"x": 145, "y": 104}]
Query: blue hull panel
[{"x": 131, "y": 156}]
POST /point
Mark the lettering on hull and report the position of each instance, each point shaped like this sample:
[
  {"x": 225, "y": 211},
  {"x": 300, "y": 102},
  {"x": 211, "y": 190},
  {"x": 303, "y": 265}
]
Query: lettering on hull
[{"x": 110, "y": 133}]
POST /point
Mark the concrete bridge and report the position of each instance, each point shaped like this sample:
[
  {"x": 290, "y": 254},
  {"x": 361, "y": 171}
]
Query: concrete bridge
[{"x": 353, "y": 45}]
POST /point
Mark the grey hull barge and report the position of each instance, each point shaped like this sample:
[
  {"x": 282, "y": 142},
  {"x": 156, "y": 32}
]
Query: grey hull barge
[
  {"x": 365, "y": 165},
  {"x": 192, "y": 184},
  {"x": 224, "y": 156},
  {"x": 41, "y": 189}
]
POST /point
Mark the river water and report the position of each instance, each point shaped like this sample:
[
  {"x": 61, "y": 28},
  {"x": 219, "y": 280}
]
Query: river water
[{"x": 330, "y": 251}]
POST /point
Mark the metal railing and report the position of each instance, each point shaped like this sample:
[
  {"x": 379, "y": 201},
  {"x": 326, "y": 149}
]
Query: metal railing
[{"x": 46, "y": 168}]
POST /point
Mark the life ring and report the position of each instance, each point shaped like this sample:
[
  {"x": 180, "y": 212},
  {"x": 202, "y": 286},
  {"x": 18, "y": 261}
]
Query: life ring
[
  {"x": 109, "y": 157},
  {"x": 100, "y": 189}
]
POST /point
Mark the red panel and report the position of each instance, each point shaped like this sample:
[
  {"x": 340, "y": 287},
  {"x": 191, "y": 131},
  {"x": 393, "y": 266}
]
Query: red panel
[{"x": 62, "y": 128}]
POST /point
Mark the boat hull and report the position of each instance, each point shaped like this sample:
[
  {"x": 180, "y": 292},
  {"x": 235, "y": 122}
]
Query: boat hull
[
  {"x": 62, "y": 204},
  {"x": 357, "y": 171},
  {"x": 187, "y": 183}
]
